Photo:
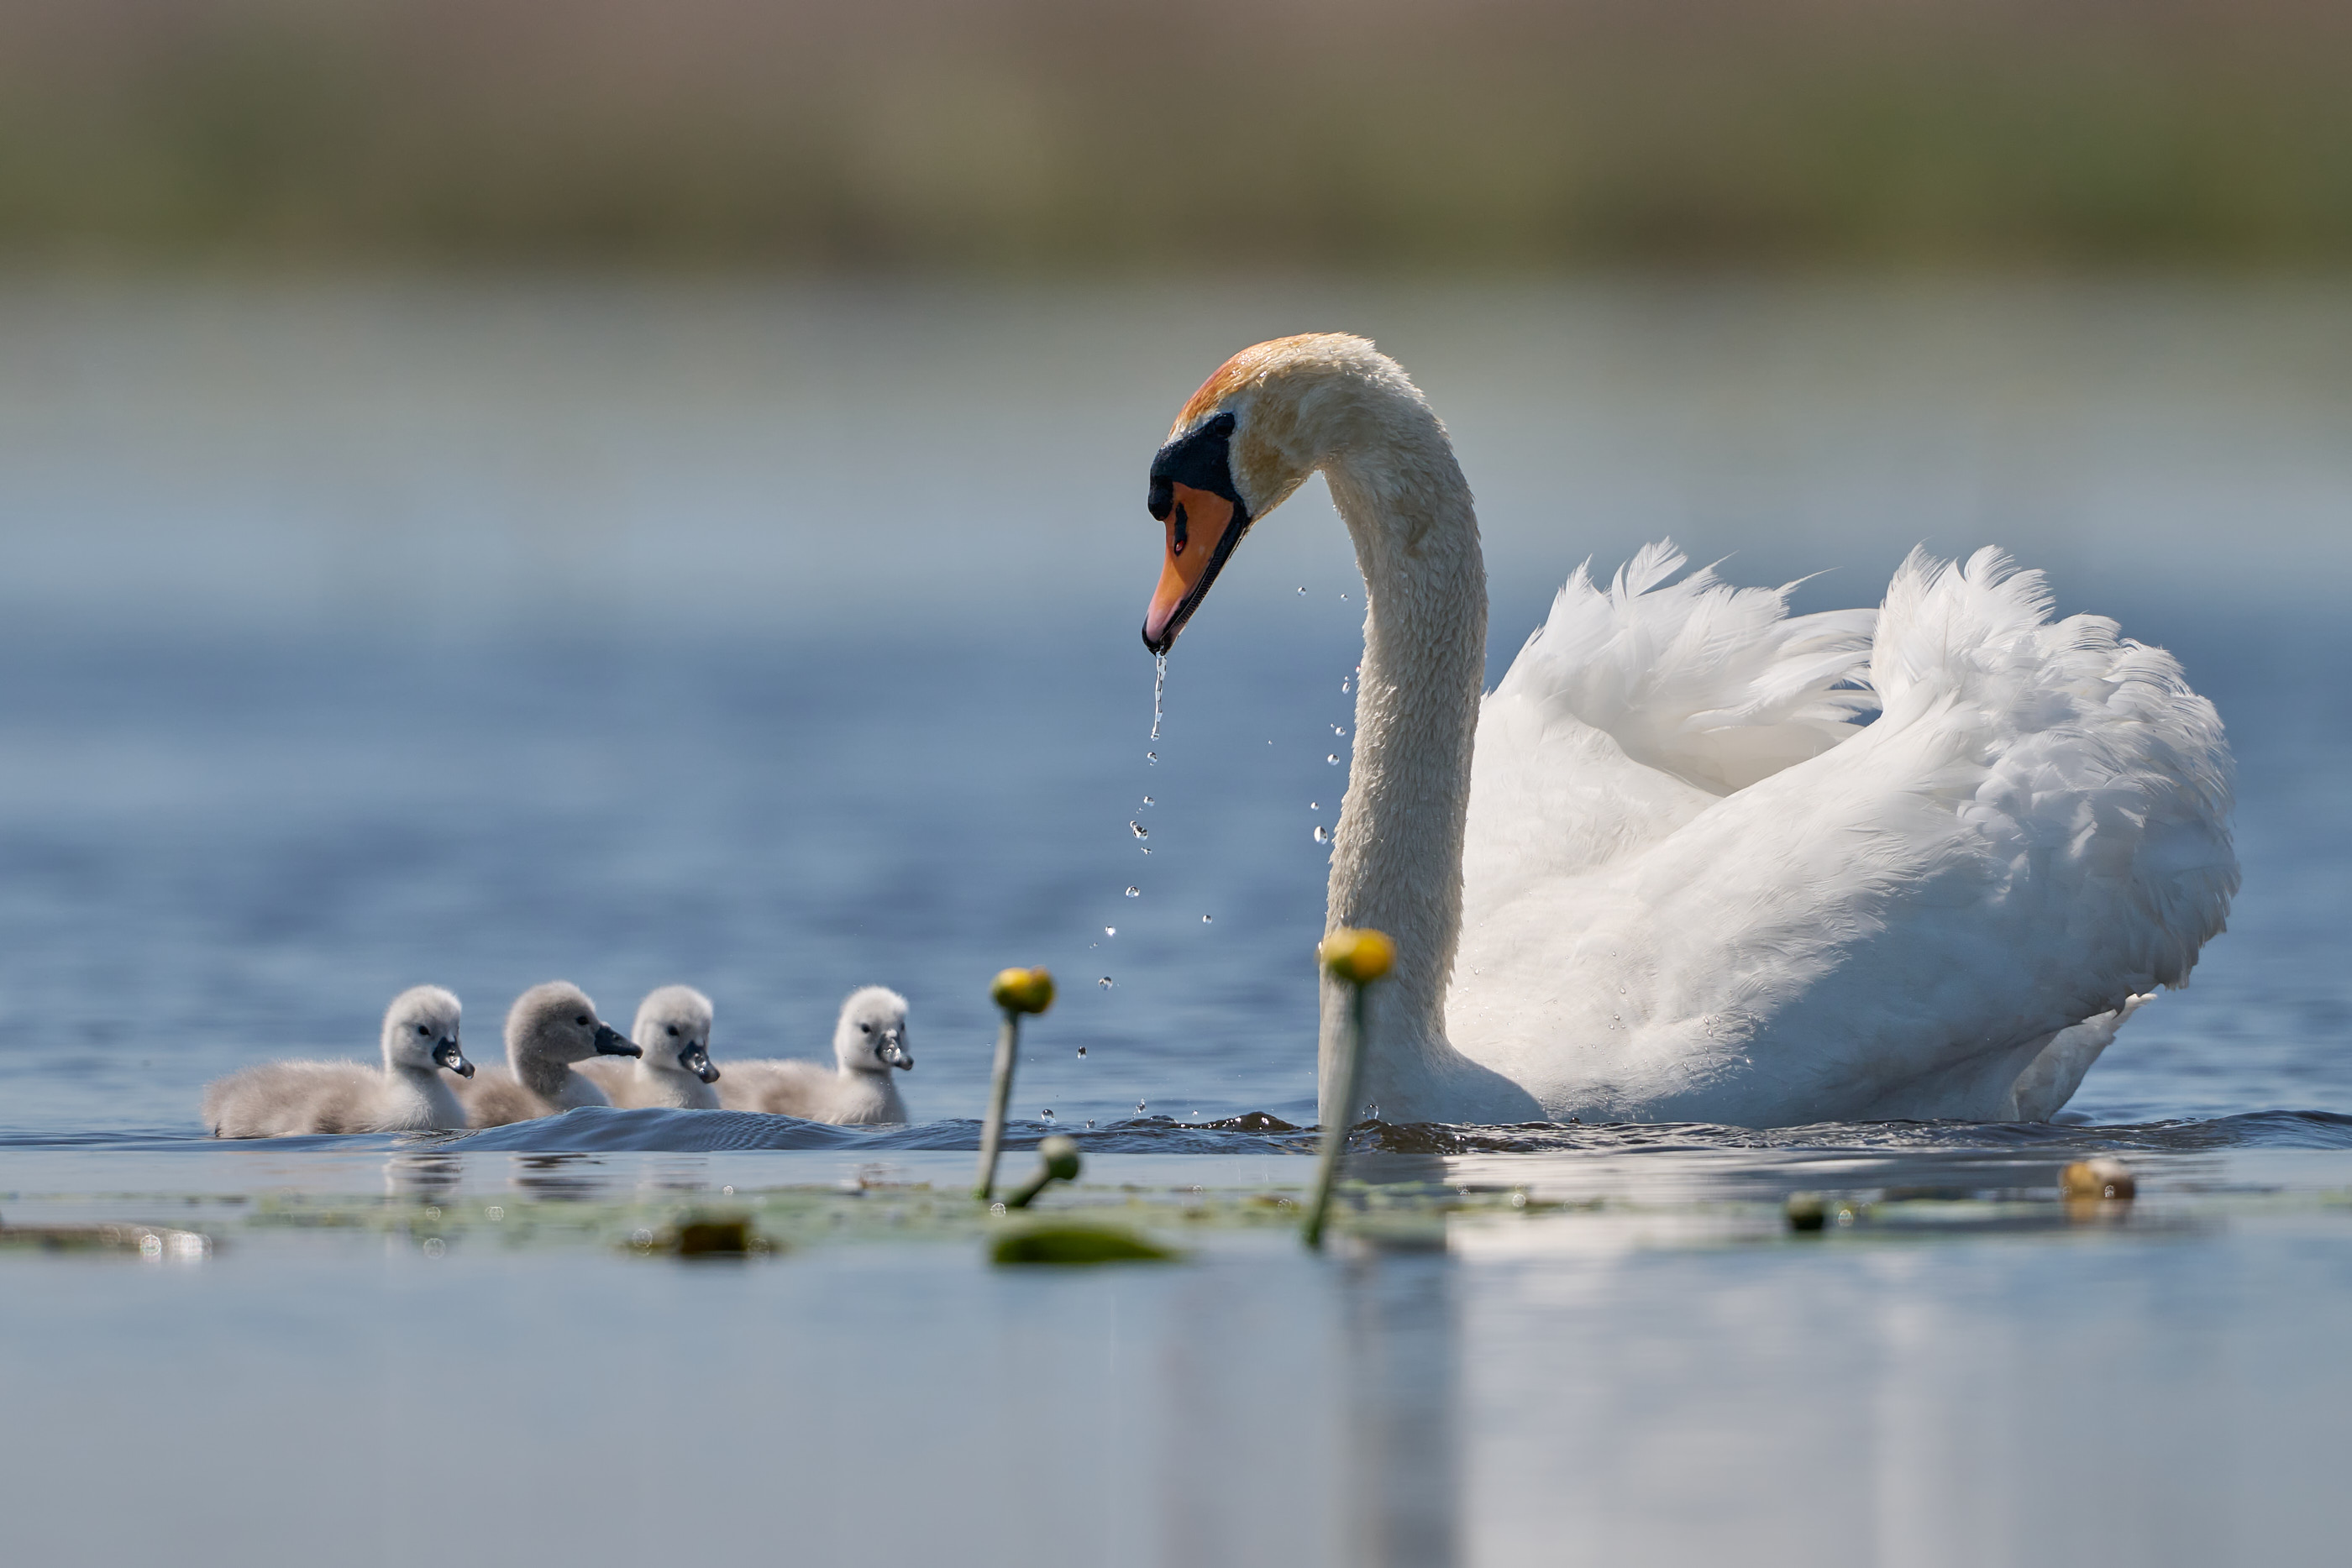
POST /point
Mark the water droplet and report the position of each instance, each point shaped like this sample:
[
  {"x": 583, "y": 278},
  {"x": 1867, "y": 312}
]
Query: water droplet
[
  {"x": 1147, "y": 852},
  {"x": 1133, "y": 891},
  {"x": 1333, "y": 759},
  {"x": 1090, "y": 1123},
  {"x": 1138, "y": 1107},
  {"x": 1048, "y": 1113},
  {"x": 1104, "y": 982},
  {"x": 1159, "y": 684},
  {"x": 1322, "y": 835},
  {"x": 1146, "y": 800},
  {"x": 1302, "y": 590},
  {"x": 1111, "y": 930},
  {"x": 1339, "y": 729},
  {"x": 1345, "y": 688},
  {"x": 1206, "y": 918},
  {"x": 1153, "y": 758},
  {"x": 1343, "y": 596},
  {"x": 1137, "y": 829},
  {"x": 1082, "y": 1056},
  {"x": 1314, "y": 805}
]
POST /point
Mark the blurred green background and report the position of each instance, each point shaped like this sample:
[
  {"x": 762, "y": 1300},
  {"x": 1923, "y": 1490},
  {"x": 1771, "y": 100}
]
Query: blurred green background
[{"x": 1120, "y": 137}]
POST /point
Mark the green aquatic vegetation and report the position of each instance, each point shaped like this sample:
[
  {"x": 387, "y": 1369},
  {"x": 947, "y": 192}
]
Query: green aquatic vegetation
[{"x": 1067, "y": 1245}]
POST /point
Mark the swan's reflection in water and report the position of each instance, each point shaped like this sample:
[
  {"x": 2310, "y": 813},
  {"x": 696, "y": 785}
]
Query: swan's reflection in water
[
  {"x": 1400, "y": 1372},
  {"x": 561, "y": 1177},
  {"x": 421, "y": 1179}
]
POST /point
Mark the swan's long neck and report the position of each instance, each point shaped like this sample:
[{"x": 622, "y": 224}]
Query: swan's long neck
[
  {"x": 431, "y": 1088},
  {"x": 1397, "y": 865}
]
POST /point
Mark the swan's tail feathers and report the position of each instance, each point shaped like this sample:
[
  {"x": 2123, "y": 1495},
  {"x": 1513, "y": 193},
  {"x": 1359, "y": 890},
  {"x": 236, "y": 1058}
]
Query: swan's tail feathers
[
  {"x": 1717, "y": 685},
  {"x": 2078, "y": 749}
]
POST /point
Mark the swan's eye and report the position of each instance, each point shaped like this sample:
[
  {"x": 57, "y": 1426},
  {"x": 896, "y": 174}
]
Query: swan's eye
[
  {"x": 673, "y": 1030},
  {"x": 865, "y": 1029},
  {"x": 581, "y": 1021}
]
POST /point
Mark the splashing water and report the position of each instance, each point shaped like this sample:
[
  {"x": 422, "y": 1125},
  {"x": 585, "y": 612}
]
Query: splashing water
[
  {"x": 1104, "y": 982},
  {"x": 1138, "y": 1107},
  {"x": 1159, "y": 684},
  {"x": 1137, "y": 829},
  {"x": 1047, "y": 1113},
  {"x": 1153, "y": 758},
  {"x": 1133, "y": 891}
]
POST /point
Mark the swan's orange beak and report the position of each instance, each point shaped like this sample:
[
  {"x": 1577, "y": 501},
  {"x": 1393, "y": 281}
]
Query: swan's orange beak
[{"x": 1199, "y": 523}]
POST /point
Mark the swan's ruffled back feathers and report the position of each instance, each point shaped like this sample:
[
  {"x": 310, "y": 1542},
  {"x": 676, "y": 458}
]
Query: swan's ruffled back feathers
[
  {"x": 1716, "y": 685},
  {"x": 2034, "y": 830},
  {"x": 2080, "y": 747}
]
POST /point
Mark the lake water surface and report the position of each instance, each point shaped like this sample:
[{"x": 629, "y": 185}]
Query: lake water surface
[{"x": 783, "y": 642}]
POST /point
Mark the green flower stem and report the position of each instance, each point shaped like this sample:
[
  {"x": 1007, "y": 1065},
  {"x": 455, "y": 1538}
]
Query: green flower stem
[
  {"x": 1343, "y": 1117},
  {"x": 1000, "y": 1096}
]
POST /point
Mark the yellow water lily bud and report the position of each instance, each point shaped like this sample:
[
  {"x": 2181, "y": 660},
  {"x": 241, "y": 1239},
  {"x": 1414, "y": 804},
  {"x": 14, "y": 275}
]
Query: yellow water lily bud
[
  {"x": 1357, "y": 956},
  {"x": 2098, "y": 1178},
  {"x": 1022, "y": 990}
]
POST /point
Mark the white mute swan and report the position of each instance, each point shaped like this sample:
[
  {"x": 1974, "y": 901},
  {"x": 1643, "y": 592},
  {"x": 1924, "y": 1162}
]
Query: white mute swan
[
  {"x": 1661, "y": 874},
  {"x": 549, "y": 1028},
  {"x": 285, "y": 1098},
  {"x": 675, "y": 1073},
  {"x": 869, "y": 1041}
]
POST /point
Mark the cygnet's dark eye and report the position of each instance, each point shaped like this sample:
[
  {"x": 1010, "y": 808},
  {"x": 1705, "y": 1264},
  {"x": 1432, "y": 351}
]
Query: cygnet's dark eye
[
  {"x": 581, "y": 1021},
  {"x": 865, "y": 1029},
  {"x": 423, "y": 1029},
  {"x": 673, "y": 1030}
]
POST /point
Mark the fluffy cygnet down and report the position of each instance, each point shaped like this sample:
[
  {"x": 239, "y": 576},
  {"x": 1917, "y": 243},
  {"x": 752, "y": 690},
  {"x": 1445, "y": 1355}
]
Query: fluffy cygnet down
[
  {"x": 549, "y": 1027},
  {"x": 673, "y": 1029},
  {"x": 285, "y": 1098},
  {"x": 868, "y": 1042}
]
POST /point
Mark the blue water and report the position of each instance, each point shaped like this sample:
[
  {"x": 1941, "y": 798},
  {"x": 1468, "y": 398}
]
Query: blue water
[{"x": 359, "y": 637}]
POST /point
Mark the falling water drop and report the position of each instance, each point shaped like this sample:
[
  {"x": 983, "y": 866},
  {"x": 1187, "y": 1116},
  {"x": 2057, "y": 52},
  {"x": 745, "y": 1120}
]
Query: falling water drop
[
  {"x": 1314, "y": 805},
  {"x": 1159, "y": 684},
  {"x": 1322, "y": 834},
  {"x": 1339, "y": 729},
  {"x": 1090, "y": 1121},
  {"x": 1146, "y": 800},
  {"x": 1133, "y": 891},
  {"x": 1205, "y": 919},
  {"x": 1137, "y": 829},
  {"x": 1343, "y": 596},
  {"x": 1111, "y": 930},
  {"x": 1104, "y": 982},
  {"x": 1153, "y": 758},
  {"x": 1082, "y": 1056},
  {"x": 1147, "y": 849},
  {"x": 1138, "y": 1107},
  {"x": 1302, "y": 590},
  {"x": 1332, "y": 757},
  {"x": 1048, "y": 1113}
]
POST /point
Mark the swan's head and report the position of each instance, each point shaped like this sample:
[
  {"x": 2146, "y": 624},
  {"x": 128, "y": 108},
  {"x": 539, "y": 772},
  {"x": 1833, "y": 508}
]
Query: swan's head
[
  {"x": 420, "y": 1029},
  {"x": 1269, "y": 417},
  {"x": 557, "y": 1022},
  {"x": 673, "y": 1029},
  {"x": 872, "y": 1034}
]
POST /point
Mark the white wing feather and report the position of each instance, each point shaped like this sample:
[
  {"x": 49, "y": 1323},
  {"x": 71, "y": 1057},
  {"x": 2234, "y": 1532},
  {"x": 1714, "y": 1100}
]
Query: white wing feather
[{"x": 2031, "y": 833}]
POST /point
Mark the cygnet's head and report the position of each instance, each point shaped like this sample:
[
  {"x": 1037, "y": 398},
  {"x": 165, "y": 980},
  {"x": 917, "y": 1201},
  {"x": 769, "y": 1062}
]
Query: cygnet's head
[
  {"x": 674, "y": 1031},
  {"x": 872, "y": 1034},
  {"x": 557, "y": 1022},
  {"x": 420, "y": 1030}
]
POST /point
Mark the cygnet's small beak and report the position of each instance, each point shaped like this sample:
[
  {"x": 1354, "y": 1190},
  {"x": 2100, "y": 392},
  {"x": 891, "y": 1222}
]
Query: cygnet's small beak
[
  {"x": 894, "y": 1052},
  {"x": 696, "y": 1060},
  {"x": 611, "y": 1041},
  {"x": 447, "y": 1055}
]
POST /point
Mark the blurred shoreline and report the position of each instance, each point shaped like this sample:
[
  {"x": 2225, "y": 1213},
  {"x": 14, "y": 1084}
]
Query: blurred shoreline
[{"x": 1118, "y": 138}]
